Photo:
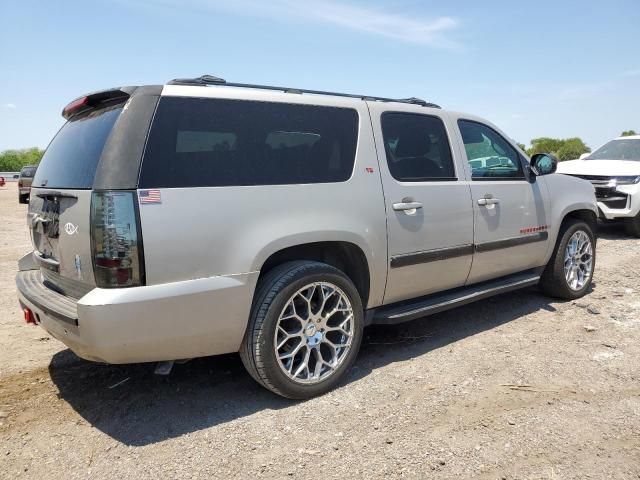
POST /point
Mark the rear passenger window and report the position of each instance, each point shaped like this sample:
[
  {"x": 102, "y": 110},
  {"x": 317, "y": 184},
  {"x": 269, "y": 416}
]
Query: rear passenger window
[
  {"x": 197, "y": 142},
  {"x": 417, "y": 147}
]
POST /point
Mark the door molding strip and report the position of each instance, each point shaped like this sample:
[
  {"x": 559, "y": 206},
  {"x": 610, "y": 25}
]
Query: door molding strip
[{"x": 436, "y": 255}]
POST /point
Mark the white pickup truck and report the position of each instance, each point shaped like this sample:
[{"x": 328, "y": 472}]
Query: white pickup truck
[{"x": 614, "y": 171}]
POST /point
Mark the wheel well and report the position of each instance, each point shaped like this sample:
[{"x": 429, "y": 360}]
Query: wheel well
[
  {"x": 585, "y": 215},
  {"x": 344, "y": 256}
]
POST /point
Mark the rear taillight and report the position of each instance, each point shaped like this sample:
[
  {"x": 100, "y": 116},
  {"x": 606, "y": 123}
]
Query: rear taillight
[
  {"x": 19, "y": 183},
  {"x": 116, "y": 243}
]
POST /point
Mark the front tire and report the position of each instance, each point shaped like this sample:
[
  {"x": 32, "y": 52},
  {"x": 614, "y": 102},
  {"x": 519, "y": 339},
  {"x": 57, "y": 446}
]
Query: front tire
[
  {"x": 569, "y": 273},
  {"x": 305, "y": 329}
]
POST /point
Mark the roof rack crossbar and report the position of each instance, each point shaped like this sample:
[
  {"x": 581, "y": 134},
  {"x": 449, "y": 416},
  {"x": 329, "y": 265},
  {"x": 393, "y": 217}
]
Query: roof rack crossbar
[{"x": 211, "y": 80}]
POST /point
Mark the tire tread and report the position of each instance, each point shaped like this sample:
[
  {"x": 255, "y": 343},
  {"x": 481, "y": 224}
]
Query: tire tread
[
  {"x": 268, "y": 288},
  {"x": 552, "y": 281}
]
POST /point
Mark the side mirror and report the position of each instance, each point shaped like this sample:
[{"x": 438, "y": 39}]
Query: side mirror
[
  {"x": 583, "y": 156},
  {"x": 543, "y": 164}
]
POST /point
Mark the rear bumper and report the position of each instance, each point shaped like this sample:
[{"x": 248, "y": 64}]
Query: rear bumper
[
  {"x": 24, "y": 190},
  {"x": 178, "y": 320}
]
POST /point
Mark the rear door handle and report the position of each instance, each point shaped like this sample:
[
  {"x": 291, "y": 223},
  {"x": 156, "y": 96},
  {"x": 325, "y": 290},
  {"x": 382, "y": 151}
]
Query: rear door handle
[
  {"x": 407, "y": 204},
  {"x": 488, "y": 201}
]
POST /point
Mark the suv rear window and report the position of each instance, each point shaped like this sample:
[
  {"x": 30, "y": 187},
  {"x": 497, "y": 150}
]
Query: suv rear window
[
  {"x": 197, "y": 142},
  {"x": 72, "y": 156}
]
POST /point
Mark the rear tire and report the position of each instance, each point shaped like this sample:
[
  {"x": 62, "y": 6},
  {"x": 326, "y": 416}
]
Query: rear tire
[
  {"x": 23, "y": 198},
  {"x": 304, "y": 313},
  {"x": 555, "y": 281},
  {"x": 633, "y": 226}
]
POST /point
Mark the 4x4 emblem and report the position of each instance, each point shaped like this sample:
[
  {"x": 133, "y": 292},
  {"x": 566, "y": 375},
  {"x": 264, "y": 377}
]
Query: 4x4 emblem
[{"x": 70, "y": 228}]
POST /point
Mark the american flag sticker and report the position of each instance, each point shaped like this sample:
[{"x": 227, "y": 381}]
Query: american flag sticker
[{"x": 149, "y": 196}]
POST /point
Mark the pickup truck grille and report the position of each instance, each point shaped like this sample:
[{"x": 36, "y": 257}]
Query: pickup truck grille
[{"x": 605, "y": 193}]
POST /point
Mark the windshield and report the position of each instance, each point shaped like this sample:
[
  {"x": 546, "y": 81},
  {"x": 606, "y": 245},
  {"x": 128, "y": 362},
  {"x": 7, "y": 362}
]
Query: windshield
[
  {"x": 72, "y": 156},
  {"x": 623, "y": 149}
]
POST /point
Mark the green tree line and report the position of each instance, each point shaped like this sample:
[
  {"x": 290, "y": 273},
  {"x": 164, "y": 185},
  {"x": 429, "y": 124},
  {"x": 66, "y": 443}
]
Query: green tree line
[
  {"x": 562, "y": 148},
  {"x": 14, "y": 160}
]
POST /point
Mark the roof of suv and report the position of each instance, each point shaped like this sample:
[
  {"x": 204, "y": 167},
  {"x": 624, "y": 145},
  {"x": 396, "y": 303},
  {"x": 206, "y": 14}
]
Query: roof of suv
[{"x": 210, "y": 80}]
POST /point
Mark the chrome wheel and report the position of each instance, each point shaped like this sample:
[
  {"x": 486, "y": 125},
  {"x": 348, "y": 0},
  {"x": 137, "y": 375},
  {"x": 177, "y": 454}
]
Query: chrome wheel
[
  {"x": 578, "y": 260},
  {"x": 314, "y": 333}
]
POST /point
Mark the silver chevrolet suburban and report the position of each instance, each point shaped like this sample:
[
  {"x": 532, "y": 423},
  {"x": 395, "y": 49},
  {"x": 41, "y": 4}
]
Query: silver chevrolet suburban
[{"x": 205, "y": 217}]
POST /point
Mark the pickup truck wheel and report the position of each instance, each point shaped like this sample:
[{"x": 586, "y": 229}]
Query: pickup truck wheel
[
  {"x": 633, "y": 225},
  {"x": 305, "y": 329},
  {"x": 23, "y": 198},
  {"x": 569, "y": 273}
]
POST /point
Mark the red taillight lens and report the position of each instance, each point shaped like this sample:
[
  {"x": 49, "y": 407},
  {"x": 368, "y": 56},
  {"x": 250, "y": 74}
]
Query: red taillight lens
[
  {"x": 77, "y": 105},
  {"x": 19, "y": 183},
  {"x": 29, "y": 318},
  {"x": 115, "y": 240}
]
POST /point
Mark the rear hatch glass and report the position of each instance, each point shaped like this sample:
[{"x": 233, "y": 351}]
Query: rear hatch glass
[
  {"x": 60, "y": 206},
  {"x": 72, "y": 157}
]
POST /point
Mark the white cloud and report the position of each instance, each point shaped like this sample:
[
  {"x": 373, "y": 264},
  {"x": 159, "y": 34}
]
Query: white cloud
[
  {"x": 376, "y": 21},
  {"x": 433, "y": 32},
  {"x": 10, "y": 106}
]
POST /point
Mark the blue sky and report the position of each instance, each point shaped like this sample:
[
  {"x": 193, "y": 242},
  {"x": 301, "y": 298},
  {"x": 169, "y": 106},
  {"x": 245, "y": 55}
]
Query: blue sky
[{"x": 545, "y": 68}]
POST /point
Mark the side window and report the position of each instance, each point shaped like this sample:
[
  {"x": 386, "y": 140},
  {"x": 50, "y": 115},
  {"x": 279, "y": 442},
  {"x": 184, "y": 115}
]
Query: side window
[
  {"x": 488, "y": 153},
  {"x": 417, "y": 147},
  {"x": 197, "y": 142}
]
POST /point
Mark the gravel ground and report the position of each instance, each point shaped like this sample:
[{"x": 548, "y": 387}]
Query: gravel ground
[{"x": 518, "y": 386}]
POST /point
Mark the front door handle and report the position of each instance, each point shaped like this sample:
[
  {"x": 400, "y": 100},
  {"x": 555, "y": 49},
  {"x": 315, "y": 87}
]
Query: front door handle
[
  {"x": 488, "y": 201},
  {"x": 407, "y": 204}
]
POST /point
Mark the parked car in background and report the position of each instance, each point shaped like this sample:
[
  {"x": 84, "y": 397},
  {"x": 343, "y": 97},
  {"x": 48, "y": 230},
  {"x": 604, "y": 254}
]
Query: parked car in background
[
  {"x": 24, "y": 183},
  {"x": 2, "y": 181},
  {"x": 614, "y": 171},
  {"x": 201, "y": 218}
]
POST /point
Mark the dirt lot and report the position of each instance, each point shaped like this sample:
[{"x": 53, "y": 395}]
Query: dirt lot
[{"x": 518, "y": 386}]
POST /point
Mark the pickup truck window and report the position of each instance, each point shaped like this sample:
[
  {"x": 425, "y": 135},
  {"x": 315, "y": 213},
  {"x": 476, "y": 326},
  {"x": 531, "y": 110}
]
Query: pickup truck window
[
  {"x": 490, "y": 156},
  {"x": 417, "y": 147}
]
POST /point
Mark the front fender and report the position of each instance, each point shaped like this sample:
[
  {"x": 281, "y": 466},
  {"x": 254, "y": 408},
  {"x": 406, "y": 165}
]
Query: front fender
[{"x": 567, "y": 194}]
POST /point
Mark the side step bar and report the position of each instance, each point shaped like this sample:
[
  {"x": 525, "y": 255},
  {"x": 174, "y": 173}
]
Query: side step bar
[{"x": 439, "y": 302}]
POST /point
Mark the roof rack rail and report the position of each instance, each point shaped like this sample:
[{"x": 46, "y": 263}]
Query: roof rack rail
[{"x": 212, "y": 80}]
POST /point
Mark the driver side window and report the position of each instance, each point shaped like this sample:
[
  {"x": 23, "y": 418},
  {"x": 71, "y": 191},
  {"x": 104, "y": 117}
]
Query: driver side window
[{"x": 489, "y": 155}]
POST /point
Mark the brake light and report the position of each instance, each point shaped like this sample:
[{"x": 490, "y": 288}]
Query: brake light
[
  {"x": 116, "y": 243},
  {"x": 75, "y": 106},
  {"x": 19, "y": 183}
]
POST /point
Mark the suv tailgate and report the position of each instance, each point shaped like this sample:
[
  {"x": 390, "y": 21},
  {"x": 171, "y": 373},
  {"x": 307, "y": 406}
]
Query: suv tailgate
[{"x": 60, "y": 208}]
